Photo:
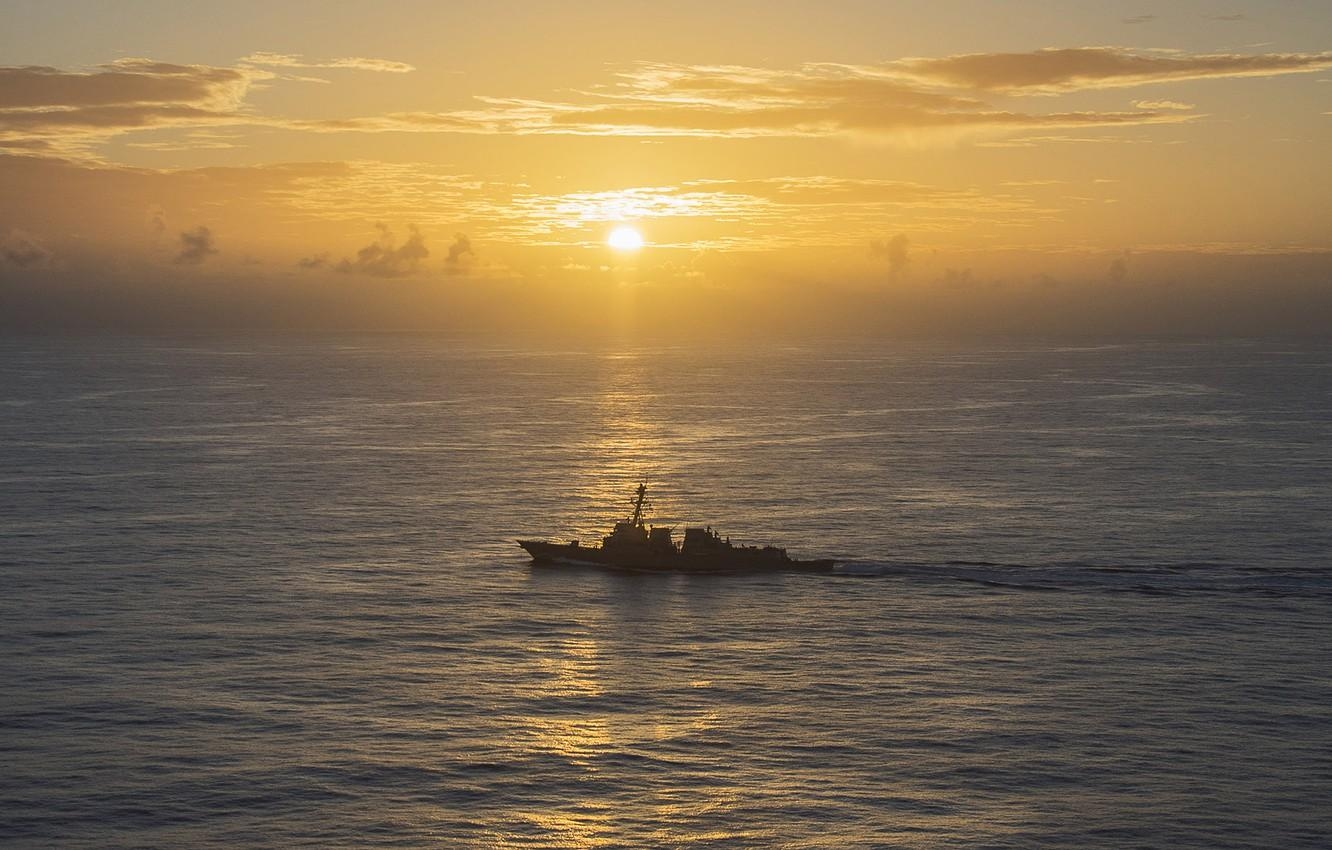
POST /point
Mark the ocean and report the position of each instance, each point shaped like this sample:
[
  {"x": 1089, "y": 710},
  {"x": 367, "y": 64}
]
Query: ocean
[{"x": 265, "y": 591}]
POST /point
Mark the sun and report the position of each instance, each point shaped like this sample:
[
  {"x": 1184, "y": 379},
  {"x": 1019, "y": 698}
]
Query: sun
[{"x": 625, "y": 238}]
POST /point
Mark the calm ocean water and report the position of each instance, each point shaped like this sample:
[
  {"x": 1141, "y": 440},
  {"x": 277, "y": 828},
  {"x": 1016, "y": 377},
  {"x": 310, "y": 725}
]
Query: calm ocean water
[{"x": 264, "y": 592}]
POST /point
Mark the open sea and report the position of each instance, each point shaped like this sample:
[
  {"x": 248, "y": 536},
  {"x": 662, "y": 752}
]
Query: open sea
[{"x": 264, "y": 592}]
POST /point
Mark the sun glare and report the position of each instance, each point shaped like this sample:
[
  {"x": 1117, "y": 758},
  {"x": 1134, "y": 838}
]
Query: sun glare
[{"x": 625, "y": 238}]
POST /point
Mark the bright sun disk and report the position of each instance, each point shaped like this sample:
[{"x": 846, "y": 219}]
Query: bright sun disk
[{"x": 625, "y": 238}]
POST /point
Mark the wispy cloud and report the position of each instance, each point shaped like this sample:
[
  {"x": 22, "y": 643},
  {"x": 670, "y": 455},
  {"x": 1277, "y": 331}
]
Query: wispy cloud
[
  {"x": 353, "y": 63},
  {"x": 898, "y": 98},
  {"x": 731, "y": 101},
  {"x": 1163, "y": 104},
  {"x": 781, "y": 211},
  {"x": 195, "y": 140},
  {"x": 1037, "y": 141},
  {"x": 1056, "y": 70}
]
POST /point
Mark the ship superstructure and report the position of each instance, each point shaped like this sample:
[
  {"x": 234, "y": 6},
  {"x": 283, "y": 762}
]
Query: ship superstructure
[{"x": 635, "y": 545}]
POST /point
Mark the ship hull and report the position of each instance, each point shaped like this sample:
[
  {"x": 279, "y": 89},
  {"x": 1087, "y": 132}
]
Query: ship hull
[{"x": 572, "y": 554}]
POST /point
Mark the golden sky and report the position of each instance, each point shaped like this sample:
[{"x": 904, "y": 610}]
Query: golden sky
[{"x": 1020, "y": 158}]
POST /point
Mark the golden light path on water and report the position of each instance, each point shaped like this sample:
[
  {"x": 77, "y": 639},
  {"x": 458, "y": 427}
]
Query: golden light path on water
[{"x": 629, "y": 443}]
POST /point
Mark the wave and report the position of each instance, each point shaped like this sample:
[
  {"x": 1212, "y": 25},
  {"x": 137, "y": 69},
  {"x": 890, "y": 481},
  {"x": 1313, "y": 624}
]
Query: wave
[{"x": 1066, "y": 576}]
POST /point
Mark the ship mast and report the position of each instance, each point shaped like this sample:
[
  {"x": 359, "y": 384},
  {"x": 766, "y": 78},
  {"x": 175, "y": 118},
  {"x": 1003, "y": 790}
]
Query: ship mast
[{"x": 637, "y": 518}]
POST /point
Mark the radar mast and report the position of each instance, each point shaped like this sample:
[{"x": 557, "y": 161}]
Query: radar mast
[{"x": 639, "y": 503}]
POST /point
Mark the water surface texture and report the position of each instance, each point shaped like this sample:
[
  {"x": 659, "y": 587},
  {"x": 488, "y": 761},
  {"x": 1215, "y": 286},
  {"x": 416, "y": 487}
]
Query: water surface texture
[{"x": 265, "y": 592}]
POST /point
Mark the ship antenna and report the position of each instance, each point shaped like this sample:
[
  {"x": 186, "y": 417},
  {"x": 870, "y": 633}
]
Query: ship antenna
[{"x": 637, "y": 518}]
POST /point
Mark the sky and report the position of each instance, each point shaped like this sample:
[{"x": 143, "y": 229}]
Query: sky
[{"x": 876, "y": 167}]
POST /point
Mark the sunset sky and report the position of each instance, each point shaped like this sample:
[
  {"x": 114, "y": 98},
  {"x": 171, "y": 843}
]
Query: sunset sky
[{"x": 993, "y": 166}]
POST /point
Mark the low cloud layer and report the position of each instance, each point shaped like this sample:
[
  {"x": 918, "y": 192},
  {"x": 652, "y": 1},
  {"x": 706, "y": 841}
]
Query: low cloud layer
[{"x": 333, "y": 200}]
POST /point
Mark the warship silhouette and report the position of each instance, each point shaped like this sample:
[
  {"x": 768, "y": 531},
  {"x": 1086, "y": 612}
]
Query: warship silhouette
[{"x": 632, "y": 545}]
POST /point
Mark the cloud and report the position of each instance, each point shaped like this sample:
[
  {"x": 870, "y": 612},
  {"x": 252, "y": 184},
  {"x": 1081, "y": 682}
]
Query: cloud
[
  {"x": 400, "y": 122},
  {"x": 461, "y": 247},
  {"x": 805, "y": 211},
  {"x": 898, "y": 98},
  {"x": 956, "y": 279},
  {"x": 104, "y": 118},
  {"x": 123, "y": 82},
  {"x": 733, "y": 101},
  {"x": 22, "y": 250},
  {"x": 895, "y": 252},
  {"x": 52, "y": 110},
  {"x": 156, "y": 218},
  {"x": 1035, "y": 141},
  {"x": 1055, "y": 70},
  {"x": 355, "y": 63},
  {"x": 26, "y": 146},
  {"x": 1119, "y": 268},
  {"x": 1163, "y": 104},
  {"x": 193, "y": 140},
  {"x": 824, "y": 191},
  {"x": 123, "y": 205},
  {"x": 384, "y": 258},
  {"x": 299, "y": 209},
  {"x": 1140, "y": 19},
  {"x": 195, "y": 246},
  {"x": 318, "y": 261}
]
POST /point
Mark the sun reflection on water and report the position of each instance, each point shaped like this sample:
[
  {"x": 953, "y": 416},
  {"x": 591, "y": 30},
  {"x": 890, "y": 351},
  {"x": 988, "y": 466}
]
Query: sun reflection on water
[
  {"x": 627, "y": 447},
  {"x": 573, "y": 667}
]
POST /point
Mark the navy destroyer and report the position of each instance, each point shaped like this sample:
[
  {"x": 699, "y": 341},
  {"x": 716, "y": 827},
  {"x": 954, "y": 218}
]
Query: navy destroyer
[{"x": 634, "y": 545}]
